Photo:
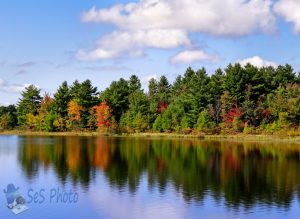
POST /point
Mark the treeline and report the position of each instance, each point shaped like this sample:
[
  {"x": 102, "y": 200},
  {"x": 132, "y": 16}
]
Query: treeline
[{"x": 237, "y": 99}]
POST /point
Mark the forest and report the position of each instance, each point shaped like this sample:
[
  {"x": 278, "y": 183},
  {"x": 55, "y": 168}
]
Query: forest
[{"x": 237, "y": 99}]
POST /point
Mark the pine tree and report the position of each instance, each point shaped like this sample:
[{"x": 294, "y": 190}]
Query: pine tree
[
  {"x": 86, "y": 96},
  {"x": 61, "y": 99},
  {"x": 29, "y": 103},
  {"x": 116, "y": 96},
  {"x": 153, "y": 99}
]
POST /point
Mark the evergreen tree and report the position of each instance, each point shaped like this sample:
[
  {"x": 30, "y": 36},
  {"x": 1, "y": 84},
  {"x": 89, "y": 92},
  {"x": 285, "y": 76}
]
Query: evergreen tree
[
  {"x": 86, "y": 96},
  {"x": 196, "y": 95},
  {"x": 137, "y": 116},
  {"x": 176, "y": 89},
  {"x": 204, "y": 122},
  {"x": 116, "y": 96},
  {"x": 61, "y": 99},
  {"x": 134, "y": 84},
  {"x": 265, "y": 98},
  {"x": 157, "y": 125},
  {"x": 163, "y": 90},
  {"x": 284, "y": 75},
  {"x": 153, "y": 99},
  {"x": 29, "y": 103},
  {"x": 174, "y": 118},
  {"x": 235, "y": 82}
]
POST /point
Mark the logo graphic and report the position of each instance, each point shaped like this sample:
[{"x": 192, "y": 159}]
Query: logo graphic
[{"x": 15, "y": 202}]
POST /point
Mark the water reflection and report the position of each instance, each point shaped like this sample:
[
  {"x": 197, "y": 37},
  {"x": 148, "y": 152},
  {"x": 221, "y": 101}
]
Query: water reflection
[{"x": 242, "y": 174}]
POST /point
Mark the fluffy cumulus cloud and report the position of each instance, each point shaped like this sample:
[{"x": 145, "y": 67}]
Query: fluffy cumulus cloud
[
  {"x": 166, "y": 24},
  {"x": 191, "y": 56},
  {"x": 217, "y": 17},
  {"x": 132, "y": 42},
  {"x": 289, "y": 10},
  {"x": 257, "y": 61}
]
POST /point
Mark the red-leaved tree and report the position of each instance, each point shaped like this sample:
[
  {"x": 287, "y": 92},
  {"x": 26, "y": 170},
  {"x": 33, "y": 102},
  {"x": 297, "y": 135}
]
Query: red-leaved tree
[
  {"x": 162, "y": 106},
  {"x": 233, "y": 112},
  {"x": 103, "y": 113}
]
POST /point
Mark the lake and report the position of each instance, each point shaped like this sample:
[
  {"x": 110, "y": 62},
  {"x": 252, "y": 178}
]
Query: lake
[{"x": 111, "y": 177}]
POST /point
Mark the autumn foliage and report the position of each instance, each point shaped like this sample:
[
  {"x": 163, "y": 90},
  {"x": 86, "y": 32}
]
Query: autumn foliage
[
  {"x": 45, "y": 105},
  {"x": 162, "y": 106},
  {"x": 237, "y": 99},
  {"x": 234, "y": 112},
  {"x": 74, "y": 110},
  {"x": 103, "y": 113}
]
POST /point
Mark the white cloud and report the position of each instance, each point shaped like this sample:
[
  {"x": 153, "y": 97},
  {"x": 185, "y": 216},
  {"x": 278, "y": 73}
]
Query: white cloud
[
  {"x": 166, "y": 24},
  {"x": 118, "y": 43},
  {"x": 257, "y": 61},
  {"x": 145, "y": 80},
  {"x": 289, "y": 10},
  {"x": 191, "y": 56},
  {"x": 217, "y": 17},
  {"x": 11, "y": 88}
]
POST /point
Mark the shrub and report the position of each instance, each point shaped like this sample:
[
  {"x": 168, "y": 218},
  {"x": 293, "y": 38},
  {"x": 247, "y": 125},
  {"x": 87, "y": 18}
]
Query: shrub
[
  {"x": 248, "y": 129},
  {"x": 204, "y": 122},
  {"x": 157, "y": 126}
]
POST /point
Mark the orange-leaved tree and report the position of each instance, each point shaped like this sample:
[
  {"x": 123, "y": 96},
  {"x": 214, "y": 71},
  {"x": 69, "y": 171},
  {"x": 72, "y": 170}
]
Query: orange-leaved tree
[
  {"x": 103, "y": 113},
  {"x": 74, "y": 111},
  {"x": 45, "y": 105}
]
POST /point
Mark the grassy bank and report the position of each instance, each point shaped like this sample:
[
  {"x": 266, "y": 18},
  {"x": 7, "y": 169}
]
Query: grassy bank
[
  {"x": 240, "y": 137},
  {"x": 41, "y": 133}
]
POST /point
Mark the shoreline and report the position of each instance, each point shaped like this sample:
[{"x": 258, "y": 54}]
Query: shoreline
[{"x": 239, "y": 137}]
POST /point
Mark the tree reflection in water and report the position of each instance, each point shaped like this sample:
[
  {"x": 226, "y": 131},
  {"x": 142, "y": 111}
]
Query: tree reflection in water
[{"x": 243, "y": 174}]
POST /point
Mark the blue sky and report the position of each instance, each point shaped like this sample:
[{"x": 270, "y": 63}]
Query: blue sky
[{"x": 45, "y": 43}]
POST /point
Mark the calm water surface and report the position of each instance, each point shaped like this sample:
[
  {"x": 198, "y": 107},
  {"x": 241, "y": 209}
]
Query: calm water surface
[{"x": 150, "y": 178}]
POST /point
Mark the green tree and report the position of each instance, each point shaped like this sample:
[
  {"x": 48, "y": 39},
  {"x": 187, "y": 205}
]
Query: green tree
[
  {"x": 196, "y": 94},
  {"x": 286, "y": 99},
  {"x": 134, "y": 84},
  {"x": 248, "y": 107},
  {"x": 137, "y": 116},
  {"x": 177, "y": 87},
  {"x": 9, "y": 114},
  {"x": 153, "y": 99},
  {"x": 204, "y": 122},
  {"x": 86, "y": 96},
  {"x": 284, "y": 75},
  {"x": 157, "y": 125},
  {"x": 163, "y": 89},
  {"x": 61, "y": 99},
  {"x": 48, "y": 124},
  {"x": 5, "y": 120},
  {"x": 29, "y": 103},
  {"x": 140, "y": 123},
  {"x": 174, "y": 118},
  {"x": 235, "y": 82},
  {"x": 116, "y": 96},
  {"x": 216, "y": 84}
]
